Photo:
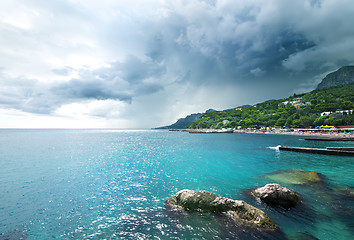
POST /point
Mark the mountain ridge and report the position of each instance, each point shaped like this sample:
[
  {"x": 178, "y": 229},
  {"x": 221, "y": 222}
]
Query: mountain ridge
[
  {"x": 343, "y": 76},
  {"x": 328, "y": 106},
  {"x": 183, "y": 122}
]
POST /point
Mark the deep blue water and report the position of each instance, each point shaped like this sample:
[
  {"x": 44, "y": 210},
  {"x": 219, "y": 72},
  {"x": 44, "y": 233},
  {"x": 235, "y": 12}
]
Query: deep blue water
[{"x": 112, "y": 184}]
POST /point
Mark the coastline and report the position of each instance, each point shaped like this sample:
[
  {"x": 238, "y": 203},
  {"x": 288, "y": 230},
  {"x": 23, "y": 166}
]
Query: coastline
[
  {"x": 316, "y": 134},
  {"x": 273, "y": 132}
]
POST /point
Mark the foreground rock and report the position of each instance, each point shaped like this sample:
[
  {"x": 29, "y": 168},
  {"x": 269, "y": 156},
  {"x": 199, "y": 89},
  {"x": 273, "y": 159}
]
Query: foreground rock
[
  {"x": 275, "y": 194},
  {"x": 295, "y": 176},
  {"x": 238, "y": 210}
]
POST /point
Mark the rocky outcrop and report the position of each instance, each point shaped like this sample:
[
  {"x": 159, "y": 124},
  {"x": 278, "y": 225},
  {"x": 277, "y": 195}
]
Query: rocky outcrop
[
  {"x": 206, "y": 201},
  {"x": 343, "y": 76},
  {"x": 274, "y": 194}
]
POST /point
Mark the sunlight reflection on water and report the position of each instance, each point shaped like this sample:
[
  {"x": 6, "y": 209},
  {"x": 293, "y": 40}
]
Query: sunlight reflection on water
[{"x": 113, "y": 184}]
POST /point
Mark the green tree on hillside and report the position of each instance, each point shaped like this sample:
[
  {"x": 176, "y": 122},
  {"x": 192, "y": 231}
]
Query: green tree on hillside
[{"x": 285, "y": 112}]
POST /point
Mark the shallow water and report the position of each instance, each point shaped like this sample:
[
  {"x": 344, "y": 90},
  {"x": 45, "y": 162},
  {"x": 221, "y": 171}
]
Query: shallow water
[{"x": 94, "y": 184}]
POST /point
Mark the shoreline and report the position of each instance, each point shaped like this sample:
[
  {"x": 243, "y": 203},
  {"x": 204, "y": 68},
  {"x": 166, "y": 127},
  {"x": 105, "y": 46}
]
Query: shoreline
[
  {"x": 325, "y": 135},
  {"x": 272, "y": 132}
]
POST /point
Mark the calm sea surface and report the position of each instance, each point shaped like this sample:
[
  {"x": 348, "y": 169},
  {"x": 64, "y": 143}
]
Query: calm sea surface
[{"x": 112, "y": 184}]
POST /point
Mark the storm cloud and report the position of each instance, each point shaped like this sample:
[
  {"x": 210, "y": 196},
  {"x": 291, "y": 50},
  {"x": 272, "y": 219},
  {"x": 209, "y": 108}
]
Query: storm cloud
[{"x": 59, "y": 53}]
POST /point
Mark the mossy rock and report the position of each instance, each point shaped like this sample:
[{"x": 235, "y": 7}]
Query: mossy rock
[
  {"x": 193, "y": 200},
  {"x": 240, "y": 211},
  {"x": 274, "y": 194},
  {"x": 294, "y": 176},
  {"x": 251, "y": 216}
]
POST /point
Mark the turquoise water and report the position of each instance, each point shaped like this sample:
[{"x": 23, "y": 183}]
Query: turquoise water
[{"x": 112, "y": 184}]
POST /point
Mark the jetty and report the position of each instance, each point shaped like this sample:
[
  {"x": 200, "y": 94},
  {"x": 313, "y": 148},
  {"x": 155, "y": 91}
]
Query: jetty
[
  {"x": 331, "y": 139},
  {"x": 328, "y": 151},
  {"x": 341, "y": 148}
]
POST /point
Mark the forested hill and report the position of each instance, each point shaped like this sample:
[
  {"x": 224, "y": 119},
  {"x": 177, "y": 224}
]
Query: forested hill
[
  {"x": 183, "y": 122},
  {"x": 301, "y": 110}
]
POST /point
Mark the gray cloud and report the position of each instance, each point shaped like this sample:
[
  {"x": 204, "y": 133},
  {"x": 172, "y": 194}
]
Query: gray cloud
[
  {"x": 135, "y": 50},
  {"x": 24, "y": 94},
  {"x": 119, "y": 81},
  {"x": 63, "y": 71}
]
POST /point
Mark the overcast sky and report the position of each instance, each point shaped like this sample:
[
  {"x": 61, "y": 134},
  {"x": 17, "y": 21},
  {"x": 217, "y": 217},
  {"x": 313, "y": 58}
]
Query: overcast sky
[{"x": 141, "y": 64}]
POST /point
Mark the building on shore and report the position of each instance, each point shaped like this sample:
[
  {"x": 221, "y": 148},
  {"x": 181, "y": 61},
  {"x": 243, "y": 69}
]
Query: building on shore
[{"x": 342, "y": 112}]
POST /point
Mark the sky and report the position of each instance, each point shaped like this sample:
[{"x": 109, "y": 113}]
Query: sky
[{"x": 143, "y": 64}]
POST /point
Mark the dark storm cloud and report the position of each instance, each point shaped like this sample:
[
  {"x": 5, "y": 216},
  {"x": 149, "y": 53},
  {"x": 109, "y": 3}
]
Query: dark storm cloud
[
  {"x": 205, "y": 53},
  {"x": 199, "y": 43},
  {"x": 228, "y": 41},
  {"x": 135, "y": 70}
]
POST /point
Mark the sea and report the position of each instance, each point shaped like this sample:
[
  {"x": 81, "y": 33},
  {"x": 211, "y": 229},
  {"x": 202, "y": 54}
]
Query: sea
[{"x": 113, "y": 184}]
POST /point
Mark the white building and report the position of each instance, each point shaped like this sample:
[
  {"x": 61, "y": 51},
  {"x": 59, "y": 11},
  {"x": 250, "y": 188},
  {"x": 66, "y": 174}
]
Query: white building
[
  {"x": 325, "y": 113},
  {"x": 342, "y": 112},
  {"x": 295, "y": 100}
]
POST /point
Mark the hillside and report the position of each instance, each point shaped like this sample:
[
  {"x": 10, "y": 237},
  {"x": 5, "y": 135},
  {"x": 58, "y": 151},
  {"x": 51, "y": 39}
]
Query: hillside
[
  {"x": 183, "y": 122},
  {"x": 302, "y": 110},
  {"x": 267, "y": 114},
  {"x": 343, "y": 76}
]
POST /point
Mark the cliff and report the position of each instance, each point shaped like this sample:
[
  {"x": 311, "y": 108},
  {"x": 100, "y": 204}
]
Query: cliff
[{"x": 341, "y": 77}]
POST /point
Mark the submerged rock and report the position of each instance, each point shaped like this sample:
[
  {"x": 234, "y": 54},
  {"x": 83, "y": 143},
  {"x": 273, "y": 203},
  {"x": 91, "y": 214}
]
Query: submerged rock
[
  {"x": 238, "y": 210},
  {"x": 347, "y": 192},
  {"x": 275, "y": 194},
  {"x": 294, "y": 176},
  {"x": 17, "y": 234},
  {"x": 303, "y": 236}
]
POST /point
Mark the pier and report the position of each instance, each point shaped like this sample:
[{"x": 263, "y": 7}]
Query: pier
[
  {"x": 330, "y": 139},
  {"x": 341, "y": 148},
  {"x": 326, "y": 151}
]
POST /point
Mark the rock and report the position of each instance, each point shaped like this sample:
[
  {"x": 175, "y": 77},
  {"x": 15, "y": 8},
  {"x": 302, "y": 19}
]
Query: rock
[
  {"x": 341, "y": 77},
  {"x": 275, "y": 194},
  {"x": 238, "y": 210},
  {"x": 347, "y": 192},
  {"x": 304, "y": 236},
  {"x": 295, "y": 176}
]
